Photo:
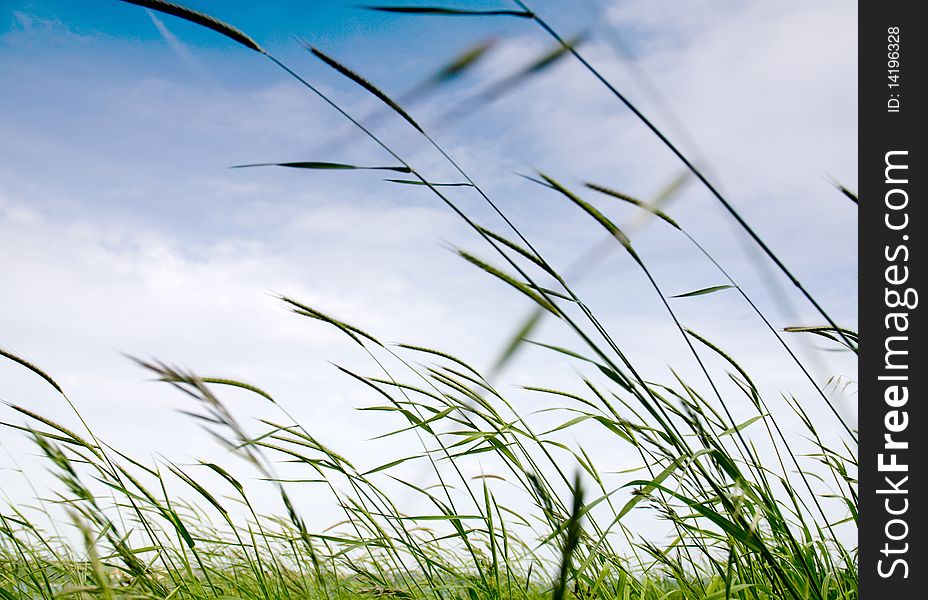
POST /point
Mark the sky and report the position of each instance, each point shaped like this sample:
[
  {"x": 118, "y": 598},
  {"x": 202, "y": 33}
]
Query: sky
[{"x": 123, "y": 231}]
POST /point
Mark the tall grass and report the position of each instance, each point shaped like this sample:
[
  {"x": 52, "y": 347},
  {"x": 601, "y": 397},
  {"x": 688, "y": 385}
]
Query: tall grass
[{"x": 752, "y": 510}]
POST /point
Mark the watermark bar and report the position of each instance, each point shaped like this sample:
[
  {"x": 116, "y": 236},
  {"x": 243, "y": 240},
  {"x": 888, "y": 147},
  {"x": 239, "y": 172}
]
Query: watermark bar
[{"x": 893, "y": 368}]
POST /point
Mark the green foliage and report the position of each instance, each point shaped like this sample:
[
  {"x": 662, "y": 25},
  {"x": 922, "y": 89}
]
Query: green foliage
[{"x": 742, "y": 526}]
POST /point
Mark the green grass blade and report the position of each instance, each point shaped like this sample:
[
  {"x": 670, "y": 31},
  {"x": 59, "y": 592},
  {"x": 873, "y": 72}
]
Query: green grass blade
[
  {"x": 449, "y": 12},
  {"x": 32, "y": 367},
  {"x": 367, "y": 85},
  {"x": 703, "y": 291}
]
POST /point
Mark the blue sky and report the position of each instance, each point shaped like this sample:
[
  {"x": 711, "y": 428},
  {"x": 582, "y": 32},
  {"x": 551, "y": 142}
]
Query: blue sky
[{"x": 122, "y": 230}]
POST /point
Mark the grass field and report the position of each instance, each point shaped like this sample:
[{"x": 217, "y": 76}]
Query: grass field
[{"x": 755, "y": 511}]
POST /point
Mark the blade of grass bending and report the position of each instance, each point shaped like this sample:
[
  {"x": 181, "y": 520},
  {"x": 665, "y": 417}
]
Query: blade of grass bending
[
  {"x": 235, "y": 383},
  {"x": 534, "y": 180},
  {"x": 747, "y": 299},
  {"x": 651, "y": 208},
  {"x": 72, "y": 437},
  {"x": 608, "y": 225},
  {"x": 176, "y": 10},
  {"x": 311, "y": 312},
  {"x": 828, "y": 333},
  {"x": 743, "y": 425},
  {"x": 560, "y": 350},
  {"x": 428, "y": 184},
  {"x": 552, "y": 293},
  {"x": 847, "y": 193},
  {"x": 522, "y": 287},
  {"x": 441, "y": 354},
  {"x": 448, "y": 73},
  {"x": 525, "y": 253},
  {"x": 32, "y": 367},
  {"x": 725, "y": 356},
  {"x": 322, "y": 166},
  {"x": 448, "y": 12},
  {"x": 688, "y": 164},
  {"x": 367, "y": 85},
  {"x": 704, "y": 291}
]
